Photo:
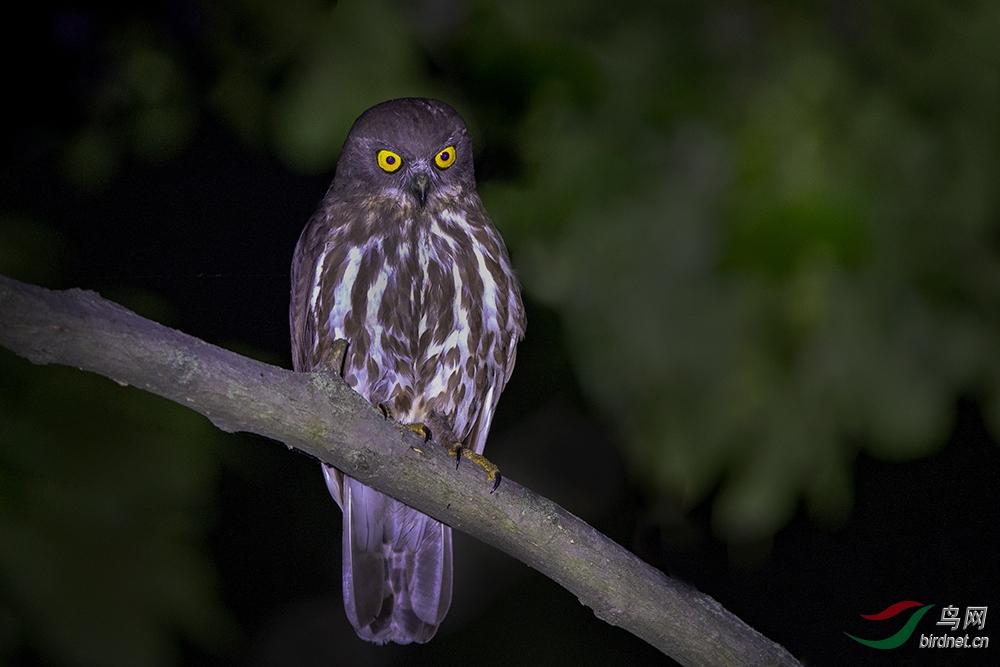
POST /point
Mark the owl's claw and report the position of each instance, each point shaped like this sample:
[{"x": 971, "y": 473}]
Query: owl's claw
[
  {"x": 457, "y": 449},
  {"x": 420, "y": 430},
  {"x": 492, "y": 471},
  {"x": 338, "y": 352},
  {"x": 417, "y": 428}
]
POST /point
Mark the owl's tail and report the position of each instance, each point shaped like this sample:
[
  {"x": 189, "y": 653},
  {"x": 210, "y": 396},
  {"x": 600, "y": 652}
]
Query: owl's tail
[{"x": 397, "y": 564}]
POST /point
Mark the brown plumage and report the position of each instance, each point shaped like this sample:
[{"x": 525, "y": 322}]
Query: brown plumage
[{"x": 402, "y": 261}]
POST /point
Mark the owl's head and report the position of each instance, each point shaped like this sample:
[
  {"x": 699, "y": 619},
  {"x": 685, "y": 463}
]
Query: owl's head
[{"x": 411, "y": 147}]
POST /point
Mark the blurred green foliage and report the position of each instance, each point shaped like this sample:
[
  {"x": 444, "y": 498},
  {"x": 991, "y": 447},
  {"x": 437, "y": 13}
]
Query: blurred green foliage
[
  {"x": 771, "y": 250},
  {"x": 769, "y": 229},
  {"x": 105, "y": 497}
]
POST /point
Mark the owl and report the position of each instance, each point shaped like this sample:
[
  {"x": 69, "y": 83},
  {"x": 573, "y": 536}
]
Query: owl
[{"x": 402, "y": 261}]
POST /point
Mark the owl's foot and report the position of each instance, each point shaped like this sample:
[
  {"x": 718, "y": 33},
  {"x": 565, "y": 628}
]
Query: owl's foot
[
  {"x": 335, "y": 361},
  {"x": 420, "y": 430},
  {"x": 417, "y": 427},
  {"x": 444, "y": 433},
  {"x": 458, "y": 450},
  {"x": 492, "y": 471}
]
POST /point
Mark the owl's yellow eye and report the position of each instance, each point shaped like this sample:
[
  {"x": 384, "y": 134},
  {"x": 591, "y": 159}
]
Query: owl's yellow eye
[
  {"x": 389, "y": 161},
  {"x": 445, "y": 158}
]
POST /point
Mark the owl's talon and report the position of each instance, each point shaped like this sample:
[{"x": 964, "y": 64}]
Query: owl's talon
[
  {"x": 492, "y": 471},
  {"x": 420, "y": 430},
  {"x": 417, "y": 427},
  {"x": 338, "y": 352}
]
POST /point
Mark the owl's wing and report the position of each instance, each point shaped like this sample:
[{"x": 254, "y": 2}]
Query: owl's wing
[
  {"x": 476, "y": 440},
  {"x": 301, "y": 316},
  {"x": 320, "y": 247}
]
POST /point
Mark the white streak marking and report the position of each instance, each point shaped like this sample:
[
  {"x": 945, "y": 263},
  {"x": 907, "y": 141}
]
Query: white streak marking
[
  {"x": 489, "y": 285},
  {"x": 376, "y": 291},
  {"x": 342, "y": 295},
  {"x": 317, "y": 278},
  {"x": 375, "y": 294}
]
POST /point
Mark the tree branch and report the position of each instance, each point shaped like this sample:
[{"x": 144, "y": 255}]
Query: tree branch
[{"x": 320, "y": 415}]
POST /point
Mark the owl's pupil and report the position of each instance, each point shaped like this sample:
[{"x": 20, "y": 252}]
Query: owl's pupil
[
  {"x": 390, "y": 159},
  {"x": 445, "y": 155}
]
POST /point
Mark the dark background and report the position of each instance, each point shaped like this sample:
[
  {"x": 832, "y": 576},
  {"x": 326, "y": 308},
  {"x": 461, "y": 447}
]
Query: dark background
[{"x": 758, "y": 246}]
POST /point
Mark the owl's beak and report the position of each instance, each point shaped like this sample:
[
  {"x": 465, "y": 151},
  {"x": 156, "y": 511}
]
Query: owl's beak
[{"x": 421, "y": 184}]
